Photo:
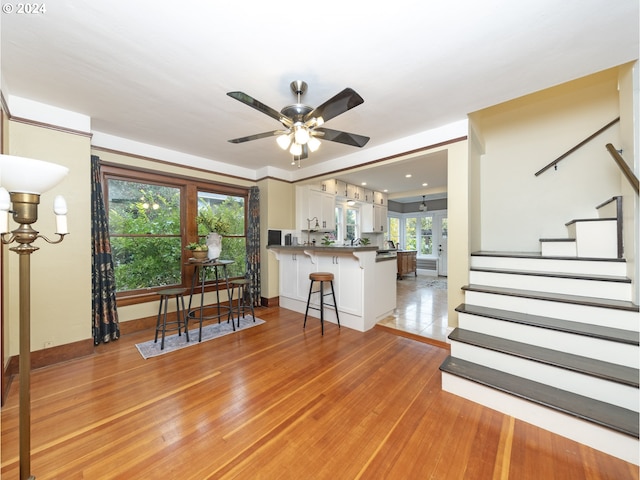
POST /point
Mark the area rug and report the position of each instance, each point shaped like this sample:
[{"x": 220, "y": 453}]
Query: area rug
[
  {"x": 435, "y": 283},
  {"x": 209, "y": 332}
]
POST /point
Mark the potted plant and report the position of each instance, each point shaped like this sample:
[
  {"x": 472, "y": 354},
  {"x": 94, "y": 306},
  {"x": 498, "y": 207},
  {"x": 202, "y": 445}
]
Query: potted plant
[{"x": 198, "y": 250}]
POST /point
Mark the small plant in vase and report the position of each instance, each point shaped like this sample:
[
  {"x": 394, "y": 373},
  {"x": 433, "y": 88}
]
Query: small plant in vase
[{"x": 328, "y": 239}]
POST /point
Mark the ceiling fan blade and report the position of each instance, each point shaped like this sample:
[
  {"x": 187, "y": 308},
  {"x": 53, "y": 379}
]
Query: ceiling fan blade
[
  {"x": 342, "y": 137},
  {"x": 261, "y": 107},
  {"x": 258, "y": 136},
  {"x": 340, "y": 103}
]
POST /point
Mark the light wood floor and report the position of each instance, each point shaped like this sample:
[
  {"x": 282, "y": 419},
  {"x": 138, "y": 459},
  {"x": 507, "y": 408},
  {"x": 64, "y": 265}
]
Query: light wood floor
[
  {"x": 277, "y": 402},
  {"x": 421, "y": 307}
]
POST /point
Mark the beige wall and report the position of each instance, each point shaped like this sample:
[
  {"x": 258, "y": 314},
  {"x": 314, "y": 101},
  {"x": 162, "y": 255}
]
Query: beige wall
[
  {"x": 277, "y": 212},
  {"x": 522, "y": 136},
  {"x": 60, "y": 274},
  {"x": 458, "y": 210}
]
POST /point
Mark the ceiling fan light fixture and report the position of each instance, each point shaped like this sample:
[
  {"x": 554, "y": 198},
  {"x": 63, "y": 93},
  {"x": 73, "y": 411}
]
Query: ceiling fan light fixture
[
  {"x": 313, "y": 144},
  {"x": 296, "y": 149},
  {"x": 301, "y": 134},
  {"x": 284, "y": 141}
]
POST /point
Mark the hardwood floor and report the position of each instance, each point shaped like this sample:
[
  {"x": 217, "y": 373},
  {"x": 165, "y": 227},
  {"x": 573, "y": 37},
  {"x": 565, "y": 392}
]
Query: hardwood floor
[{"x": 277, "y": 401}]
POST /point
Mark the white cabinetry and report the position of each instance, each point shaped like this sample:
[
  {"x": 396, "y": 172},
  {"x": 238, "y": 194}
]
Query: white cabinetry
[
  {"x": 367, "y": 196},
  {"x": 365, "y": 289},
  {"x": 341, "y": 188},
  {"x": 354, "y": 192},
  {"x": 379, "y": 218},
  {"x": 295, "y": 268},
  {"x": 312, "y": 204},
  {"x": 380, "y": 198},
  {"x": 374, "y": 218},
  {"x": 347, "y": 282},
  {"x": 327, "y": 186}
]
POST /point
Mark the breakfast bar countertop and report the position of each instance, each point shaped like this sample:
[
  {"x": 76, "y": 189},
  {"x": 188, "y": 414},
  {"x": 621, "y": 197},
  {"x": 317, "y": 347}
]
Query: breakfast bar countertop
[{"x": 326, "y": 248}]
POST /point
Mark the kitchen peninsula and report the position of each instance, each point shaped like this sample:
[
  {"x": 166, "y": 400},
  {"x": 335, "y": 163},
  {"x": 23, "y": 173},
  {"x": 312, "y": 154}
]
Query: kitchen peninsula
[{"x": 364, "y": 282}]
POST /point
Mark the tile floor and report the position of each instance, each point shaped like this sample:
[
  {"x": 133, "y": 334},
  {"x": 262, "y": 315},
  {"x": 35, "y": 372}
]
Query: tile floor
[{"x": 421, "y": 307}]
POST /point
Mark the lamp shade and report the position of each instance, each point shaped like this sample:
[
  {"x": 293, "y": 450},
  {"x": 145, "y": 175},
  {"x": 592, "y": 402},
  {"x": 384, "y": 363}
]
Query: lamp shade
[{"x": 27, "y": 175}]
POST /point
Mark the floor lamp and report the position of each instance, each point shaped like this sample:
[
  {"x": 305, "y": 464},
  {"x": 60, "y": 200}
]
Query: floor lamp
[{"x": 22, "y": 181}]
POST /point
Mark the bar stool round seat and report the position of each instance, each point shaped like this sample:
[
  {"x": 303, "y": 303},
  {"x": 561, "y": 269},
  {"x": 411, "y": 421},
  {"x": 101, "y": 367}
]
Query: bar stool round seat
[
  {"x": 245, "y": 297},
  {"x": 162, "y": 325},
  {"x": 321, "y": 277}
]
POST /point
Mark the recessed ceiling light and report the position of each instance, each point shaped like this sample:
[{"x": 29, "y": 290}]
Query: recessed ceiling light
[
  {"x": 408, "y": 175},
  {"x": 363, "y": 183},
  {"x": 385, "y": 190},
  {"x": 425, "y": 184}
]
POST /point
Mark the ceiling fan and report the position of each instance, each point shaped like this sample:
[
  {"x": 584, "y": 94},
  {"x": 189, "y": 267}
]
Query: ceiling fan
[{"x": 303, "y": 124}]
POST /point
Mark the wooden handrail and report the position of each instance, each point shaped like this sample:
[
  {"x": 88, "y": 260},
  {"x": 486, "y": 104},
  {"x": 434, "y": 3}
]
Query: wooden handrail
[
  {"x": 571, "y": 150},
  {"x": 626, "y": 170}
]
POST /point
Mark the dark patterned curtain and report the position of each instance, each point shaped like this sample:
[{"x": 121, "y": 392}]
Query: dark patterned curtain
[
  {"x": 253, "y": 244},
  {"x": 103, "y": 304}
]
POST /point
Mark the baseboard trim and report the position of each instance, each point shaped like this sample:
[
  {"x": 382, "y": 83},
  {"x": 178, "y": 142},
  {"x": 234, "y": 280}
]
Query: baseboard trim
[{"x": 53, "y": 355}]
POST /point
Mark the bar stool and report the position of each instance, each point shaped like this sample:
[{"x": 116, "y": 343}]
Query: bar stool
[
  {"x": 245, "y": 297},
  {"x": 165, "y": 326},
  {"x": 321, "y": 277}
]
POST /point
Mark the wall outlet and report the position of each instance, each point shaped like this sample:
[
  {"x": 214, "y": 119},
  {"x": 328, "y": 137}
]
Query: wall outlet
[{"x": 48, "y": 344}]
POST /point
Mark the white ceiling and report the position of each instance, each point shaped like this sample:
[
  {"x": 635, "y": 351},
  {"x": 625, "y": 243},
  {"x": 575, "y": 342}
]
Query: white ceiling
[{"x": 157, "y": 72}]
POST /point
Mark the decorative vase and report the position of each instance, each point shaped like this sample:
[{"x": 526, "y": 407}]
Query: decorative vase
[{"x": 214, "y": 242}]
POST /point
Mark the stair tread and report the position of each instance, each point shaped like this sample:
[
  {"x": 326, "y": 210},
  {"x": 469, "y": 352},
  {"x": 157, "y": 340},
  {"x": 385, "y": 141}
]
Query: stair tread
[
  {"x": 604, "y": 219},
  {"x": 568, "y": 361},
  {"x": 595, "y": 411},
  {"x": 538, "y": 255},
  {"x": 537, "y": 273},
  {"x": 557, "y": 240},
  {"x": 555, "y": 297},
  {"x": 629, "y": 337}
]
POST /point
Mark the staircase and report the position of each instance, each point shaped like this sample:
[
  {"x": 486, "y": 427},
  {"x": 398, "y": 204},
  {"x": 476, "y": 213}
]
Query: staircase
[{"x": 552, "y": 338}]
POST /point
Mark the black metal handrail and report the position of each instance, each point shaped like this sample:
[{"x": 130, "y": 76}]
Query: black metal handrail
[
  {"x": 626, "y": 170},
  {"x": 573, "y": 149}
]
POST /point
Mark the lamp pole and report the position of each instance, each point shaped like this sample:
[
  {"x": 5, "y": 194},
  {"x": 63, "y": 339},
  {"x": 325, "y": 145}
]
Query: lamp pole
[{"x": 25, "y": 212}]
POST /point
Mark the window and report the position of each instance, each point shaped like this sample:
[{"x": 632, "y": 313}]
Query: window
[
  {"x": 224, "y": 215},
  {"x": 340, "y": 233},
  {"x": 426, "y": 235},
  {"x": 144, "y": 227},
  {"x": 152, "y": 217},
  {"x": 410, "y": 237},
  {"x": 394, "y": 230},
  {"x": 351, "y": 224}
]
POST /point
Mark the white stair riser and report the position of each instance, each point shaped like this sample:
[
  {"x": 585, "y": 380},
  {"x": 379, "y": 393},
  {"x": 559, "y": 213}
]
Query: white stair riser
[
  {"x": 619, "y": 445},
  {"x": 604, "y": 350},
  {"x": 603, "y": 390},
  {"x": 595, "y": 239},
  {"x": 624, "y": 319},
  {"x": 559, "y": 249},
  {"x": 588, "y": 267},
  {"x": 567, "y": 286}
]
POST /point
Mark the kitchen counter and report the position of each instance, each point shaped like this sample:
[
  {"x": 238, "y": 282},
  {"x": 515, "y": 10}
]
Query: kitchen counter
[
  {"x": 365, "y": 286},
  {"x": 325, "y": 248}
]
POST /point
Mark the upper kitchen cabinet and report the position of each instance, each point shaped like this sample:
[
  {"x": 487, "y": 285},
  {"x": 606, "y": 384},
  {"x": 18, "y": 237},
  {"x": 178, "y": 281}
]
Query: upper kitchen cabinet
[
  {"x": 380, "y": 198},
  {"x": 367, "y": 196},
  {"x": 341, "y": 188},
  {"x": 314, "y": 204},
  {"x": 327, "y": 186},
  {"x": 374, "y": 218},
  {"x": 355, "y": 193}
]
